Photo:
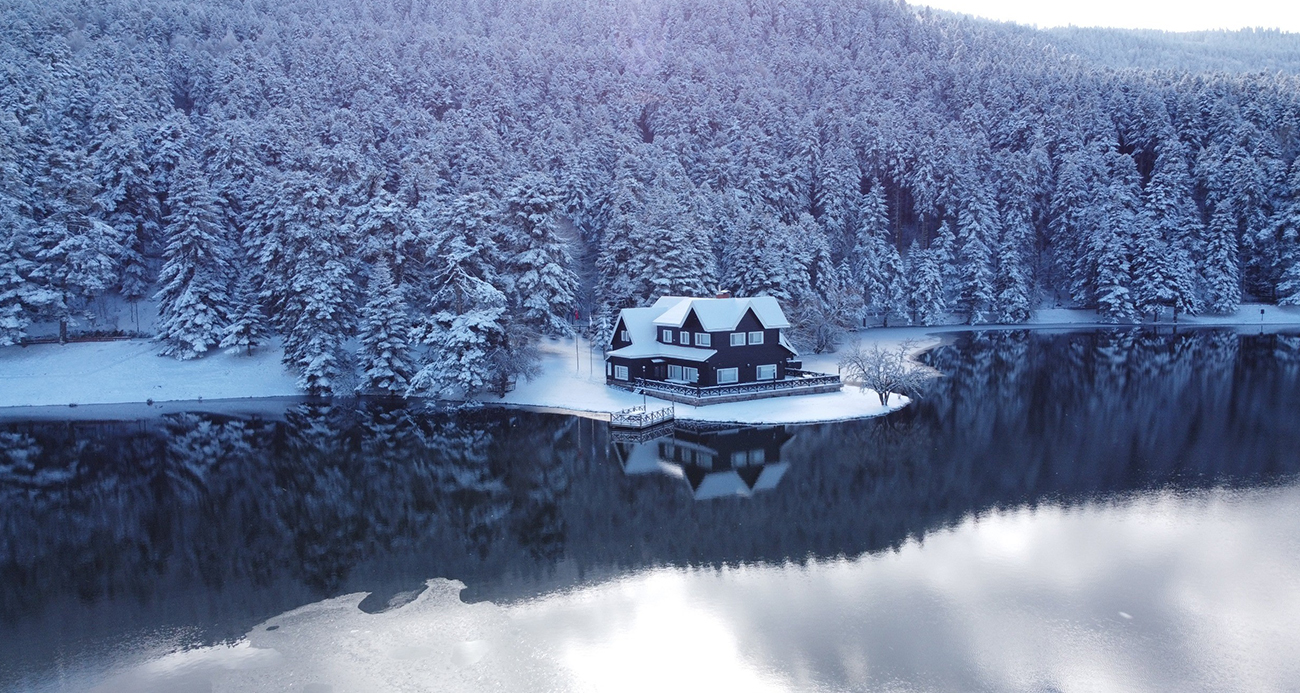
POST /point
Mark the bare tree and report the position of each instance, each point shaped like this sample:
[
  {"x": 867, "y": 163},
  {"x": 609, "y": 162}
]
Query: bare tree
[{"x": 887, "y": 371}]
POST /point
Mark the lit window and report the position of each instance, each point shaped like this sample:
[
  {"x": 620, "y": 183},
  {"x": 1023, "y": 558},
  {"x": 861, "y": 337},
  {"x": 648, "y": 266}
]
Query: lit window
[
  {"x": 667, "y": 336},
  {"x": 756, "y": 337},
  {"x": 737, "y": 339},
  {"x": 703, "y": 339},
  {"x": 620, "y": 372},
  {"x": 728, "y": 375},
  {"x": 686, "y": 338},
  {"x": 767, "y": 372}
]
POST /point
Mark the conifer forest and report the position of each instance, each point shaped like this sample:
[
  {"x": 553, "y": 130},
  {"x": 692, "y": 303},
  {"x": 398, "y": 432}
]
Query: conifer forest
[{"x": 406, "y": 196}]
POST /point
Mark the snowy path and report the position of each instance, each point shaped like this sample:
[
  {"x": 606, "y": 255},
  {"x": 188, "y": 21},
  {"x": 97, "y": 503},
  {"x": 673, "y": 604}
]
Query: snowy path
[{"x": 131, "y": 371}]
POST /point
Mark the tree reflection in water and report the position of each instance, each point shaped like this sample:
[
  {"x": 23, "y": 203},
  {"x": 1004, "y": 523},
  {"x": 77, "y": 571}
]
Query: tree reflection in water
[{"x": 198, "y": 525}]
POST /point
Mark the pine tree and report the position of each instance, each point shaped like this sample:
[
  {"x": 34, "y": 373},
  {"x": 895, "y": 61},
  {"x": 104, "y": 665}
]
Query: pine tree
[
  {"x": 75, "y": 252},
  {"x": 384, "y": 357},
  {"x": 1222, "y": 280},
  {"x": 306, "y": 284},
  {"x": 545, "y": 287},
  {"x": 1288, "y": 234},
  {"x": 193, "y": 305},
  {"x": 927, "y": 301},
  {"x": 975, "y": 224},
  {"x": 1112, "y": 241},
  {"x": 248, "y": 326},
  {"x": 468, "y": 330},
  {"x": 1165, "y": 272}
]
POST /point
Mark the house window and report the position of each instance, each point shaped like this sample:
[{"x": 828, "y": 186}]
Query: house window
[
  {"x": 692, "y": 375},
  {"x": 738, "y": 458},
  {"x": 703, "y": 339},
  {"x": 728, "y": 375},
  {"x": 620, "y": 372},
  {"x": 767, "y": 372},
  {"x": 757, "y": 456},
  {"x": 686, "y": 338},
  {"x": 668, "y": 336},
  {"x": 737, "y": 339},
  {"x": 756, "y": 337},
  {"x": 622, "y": 336},
  {"x": 674, "y": 372},
  {"x": 609, "y": 369}
]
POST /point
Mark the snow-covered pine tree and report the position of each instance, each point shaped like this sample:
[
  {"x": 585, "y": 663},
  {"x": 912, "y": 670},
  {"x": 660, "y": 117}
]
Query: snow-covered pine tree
[
  {"x": 1170, "y": 217},
  {"x": 468, "y": 328},
  {"x": 1288, "y": 234},
  {"x": 880, "y": 269},
  {"x": 1010, "y": 284},
  {"x": 927, "y": 301},
  {"x": 307, "y": 287},
  {"x": 976, "y": 222},
  {"x": 1112, "y": 241},
  {"x": 384, "y": 356},
  {"x": 248, "y": 327},
  {"x": 76, "y": 252},
  {"x": 193, "y": 304},
  {"x": 21, "y": 299},
  {"x": 545, "y": 287},
  {"x": 1221, "y": 274},
  {"x": 1153, "y": 286},
  {"x": 126, "y": 196}
]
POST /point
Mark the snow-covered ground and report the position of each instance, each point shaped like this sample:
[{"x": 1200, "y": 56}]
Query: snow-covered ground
[
  {"x": 572, "y": 378},
  {"x": 132, "y": 371}
]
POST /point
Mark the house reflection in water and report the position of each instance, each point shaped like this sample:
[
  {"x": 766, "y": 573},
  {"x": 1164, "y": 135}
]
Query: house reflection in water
[{"x": 715, "y": 460}]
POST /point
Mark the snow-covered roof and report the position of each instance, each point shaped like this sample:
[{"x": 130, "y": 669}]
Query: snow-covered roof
[
  {"x": 640, "y": 324},
  {"x": 719, "y": 314}
]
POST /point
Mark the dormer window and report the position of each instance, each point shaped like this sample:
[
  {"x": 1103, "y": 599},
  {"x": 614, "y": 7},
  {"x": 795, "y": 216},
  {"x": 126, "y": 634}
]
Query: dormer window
[
  {"x": 667, "y": 336},
  {"x": 622, "y": 336},
  {"x": 686, "y": 338},
  {"x": 756, "y": 337},
  {"x": 737, "y": 339}
]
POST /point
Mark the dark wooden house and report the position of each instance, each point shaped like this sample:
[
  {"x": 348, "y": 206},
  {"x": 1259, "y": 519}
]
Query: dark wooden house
[{"x": 702, "y": 342}]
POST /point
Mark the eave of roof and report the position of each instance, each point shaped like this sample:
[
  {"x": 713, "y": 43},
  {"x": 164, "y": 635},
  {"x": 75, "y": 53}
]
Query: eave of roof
[{"x": 657, "y": 349}]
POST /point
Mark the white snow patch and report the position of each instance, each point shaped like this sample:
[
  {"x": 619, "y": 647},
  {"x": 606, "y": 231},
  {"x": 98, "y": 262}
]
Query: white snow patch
[{"x": 131, "y": 371}]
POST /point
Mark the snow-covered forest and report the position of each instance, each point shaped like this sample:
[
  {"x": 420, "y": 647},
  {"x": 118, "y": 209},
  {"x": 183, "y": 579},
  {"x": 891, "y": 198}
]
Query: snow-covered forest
[{"x": 407, "y": 195}]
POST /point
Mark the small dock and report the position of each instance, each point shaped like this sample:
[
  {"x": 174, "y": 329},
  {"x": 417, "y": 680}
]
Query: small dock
[{"x": 640, "y": 418}]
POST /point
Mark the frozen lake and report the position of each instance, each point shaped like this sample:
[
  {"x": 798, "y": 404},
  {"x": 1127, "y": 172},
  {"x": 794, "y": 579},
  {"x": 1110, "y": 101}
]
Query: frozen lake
[{"x": 1101, "y": 511}]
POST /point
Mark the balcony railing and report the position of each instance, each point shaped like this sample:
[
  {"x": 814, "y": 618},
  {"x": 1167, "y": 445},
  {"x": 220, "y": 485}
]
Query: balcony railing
[
  {"x": 796, "y": 381},
  {"x": 639, "y": 417}
]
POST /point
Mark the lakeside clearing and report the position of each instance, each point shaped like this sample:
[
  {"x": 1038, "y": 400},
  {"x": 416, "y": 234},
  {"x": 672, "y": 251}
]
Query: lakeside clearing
[{"x": 572, "y": 378}]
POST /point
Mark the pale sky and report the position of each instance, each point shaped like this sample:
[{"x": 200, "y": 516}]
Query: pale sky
[{"x": 1169, "y": 15}]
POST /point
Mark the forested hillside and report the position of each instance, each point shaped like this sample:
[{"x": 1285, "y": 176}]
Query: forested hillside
[{"x": 413, "y": 193}]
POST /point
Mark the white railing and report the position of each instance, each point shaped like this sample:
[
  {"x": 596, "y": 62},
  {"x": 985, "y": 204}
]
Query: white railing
[
  {"x": 638, "y": 417},
  {"x": 801, "y": 380}
]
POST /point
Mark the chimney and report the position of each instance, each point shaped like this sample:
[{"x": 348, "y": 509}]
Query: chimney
[{"x": 723, "y": 293}]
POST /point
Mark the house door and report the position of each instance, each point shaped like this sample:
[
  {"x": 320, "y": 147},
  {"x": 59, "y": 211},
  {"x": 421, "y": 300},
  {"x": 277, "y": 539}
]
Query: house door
[{"x": 659, "y": 371}]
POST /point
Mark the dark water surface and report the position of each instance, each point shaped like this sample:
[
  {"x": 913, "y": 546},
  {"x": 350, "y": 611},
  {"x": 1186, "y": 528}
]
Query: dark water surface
[{"x": 1089, "y": 511}]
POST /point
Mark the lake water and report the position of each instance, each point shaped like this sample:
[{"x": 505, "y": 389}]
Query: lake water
[{"x": 1102, "y": 511}]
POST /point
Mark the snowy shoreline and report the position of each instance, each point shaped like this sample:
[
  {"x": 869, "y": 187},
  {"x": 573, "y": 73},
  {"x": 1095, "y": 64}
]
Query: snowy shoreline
[{"x": 117, "y": 378}]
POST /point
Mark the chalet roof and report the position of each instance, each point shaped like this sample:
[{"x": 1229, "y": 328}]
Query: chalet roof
[
  {"x": 719, "y": 314},
  {"x": 640, "y": 325}
]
